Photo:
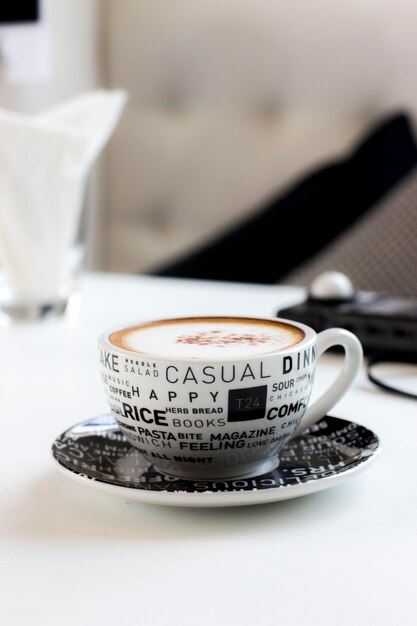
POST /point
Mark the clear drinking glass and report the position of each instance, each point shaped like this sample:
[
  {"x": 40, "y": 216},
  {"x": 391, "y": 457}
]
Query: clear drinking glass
[{"x": 41, "y": 255}]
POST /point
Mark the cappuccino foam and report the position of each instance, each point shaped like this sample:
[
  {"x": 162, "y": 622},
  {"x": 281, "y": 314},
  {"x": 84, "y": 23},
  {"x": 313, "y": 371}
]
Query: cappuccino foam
[{"x": 208, "y": 338}]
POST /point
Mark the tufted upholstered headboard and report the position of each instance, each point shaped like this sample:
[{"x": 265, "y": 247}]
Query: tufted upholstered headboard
[{"x": 231, "y": 99}]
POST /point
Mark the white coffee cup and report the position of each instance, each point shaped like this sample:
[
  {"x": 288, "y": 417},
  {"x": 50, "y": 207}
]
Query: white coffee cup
[{"x": 218, "y": 397}]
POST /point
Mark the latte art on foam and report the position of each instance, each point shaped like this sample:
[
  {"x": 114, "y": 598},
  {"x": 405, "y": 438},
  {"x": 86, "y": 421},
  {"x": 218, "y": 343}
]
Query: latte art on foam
[
  {"x": 212, "y": 338},
  {"x": 223, "y": 339}
]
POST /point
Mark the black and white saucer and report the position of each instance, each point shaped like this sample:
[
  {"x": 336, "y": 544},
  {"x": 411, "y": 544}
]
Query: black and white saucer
[{"x": 95, "y": 453}]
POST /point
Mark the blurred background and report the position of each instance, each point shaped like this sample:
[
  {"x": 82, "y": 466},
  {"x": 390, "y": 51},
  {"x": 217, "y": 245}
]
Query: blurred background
[{"x": 230, "y": 102}]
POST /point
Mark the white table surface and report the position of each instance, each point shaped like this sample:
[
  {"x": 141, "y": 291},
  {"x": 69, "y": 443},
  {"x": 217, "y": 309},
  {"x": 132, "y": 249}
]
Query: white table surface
[{"x": 71, "y": 555}]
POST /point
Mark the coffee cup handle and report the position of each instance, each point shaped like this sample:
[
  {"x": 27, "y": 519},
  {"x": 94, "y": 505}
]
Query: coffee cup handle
[{"x": 351, "y": 365}]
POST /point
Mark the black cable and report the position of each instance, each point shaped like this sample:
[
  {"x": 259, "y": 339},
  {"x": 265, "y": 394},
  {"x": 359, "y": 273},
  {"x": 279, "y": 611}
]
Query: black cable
[{"x": 390, "y": 357}]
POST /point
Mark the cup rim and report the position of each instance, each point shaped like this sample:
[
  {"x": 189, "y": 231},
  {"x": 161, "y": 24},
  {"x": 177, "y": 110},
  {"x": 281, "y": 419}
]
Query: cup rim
[{"x": 309, "y": 336}]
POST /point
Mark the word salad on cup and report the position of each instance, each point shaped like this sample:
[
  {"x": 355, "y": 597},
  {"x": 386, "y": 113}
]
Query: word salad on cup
[{"x": 218, "y": 397}]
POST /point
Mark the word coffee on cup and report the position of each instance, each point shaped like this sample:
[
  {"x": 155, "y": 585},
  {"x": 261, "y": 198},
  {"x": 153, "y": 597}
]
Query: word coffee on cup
[{"x": 218, "y": 397}]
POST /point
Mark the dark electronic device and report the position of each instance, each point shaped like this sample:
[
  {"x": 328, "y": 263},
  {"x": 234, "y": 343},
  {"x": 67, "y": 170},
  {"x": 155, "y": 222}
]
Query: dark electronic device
[
  {"x": 382, "y": 323},
  {"x": 19, "y": 12}
]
